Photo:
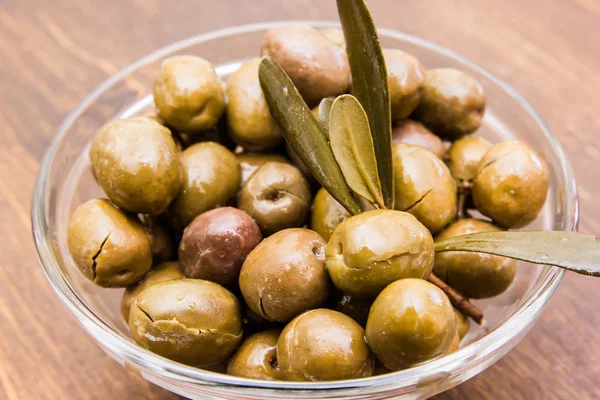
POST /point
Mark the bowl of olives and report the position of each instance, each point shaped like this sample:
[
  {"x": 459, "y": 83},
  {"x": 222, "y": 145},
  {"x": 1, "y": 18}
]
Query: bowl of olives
[{"x": 225, "y": 225}]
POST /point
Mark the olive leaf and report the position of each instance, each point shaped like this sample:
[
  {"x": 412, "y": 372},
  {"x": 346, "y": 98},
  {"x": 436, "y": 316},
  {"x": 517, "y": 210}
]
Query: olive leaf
[
  {"x": 573, "y": 251},
  {"x": 323, "y": 113},
  {"x": 370, "y": 85},
  {"x": 303, "y": 132},
  {"x": 352, "y": 145}
]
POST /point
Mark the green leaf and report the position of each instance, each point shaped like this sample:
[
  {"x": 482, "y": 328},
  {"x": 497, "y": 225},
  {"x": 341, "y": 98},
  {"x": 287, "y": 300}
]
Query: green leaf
[
  {"x": 303, "y": 132},
  {"x": 323, "y": 112},
  {"x": 352, "y": 145},
  {"x": 573, "y": 251},
  {"x": 370, "y": 85}
]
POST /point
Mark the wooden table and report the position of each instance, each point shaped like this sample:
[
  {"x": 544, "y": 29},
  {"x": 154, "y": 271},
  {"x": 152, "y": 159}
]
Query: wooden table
[{"x": 53, "y": 53}]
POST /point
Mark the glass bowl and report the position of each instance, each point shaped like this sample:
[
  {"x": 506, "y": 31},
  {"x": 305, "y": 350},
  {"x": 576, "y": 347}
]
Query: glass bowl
[{"x": 64, "y": 182}]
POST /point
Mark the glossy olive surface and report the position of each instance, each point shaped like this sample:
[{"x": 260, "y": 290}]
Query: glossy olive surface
[
  {"x": 110, "y": 247},
  {"x": 285, "y": 275},
  {"x": 216, "y": 243},
  {"x": 369, "y": 251},
  {"x": 192, "y": 321},
  {"x": 423, "y": 186},
  {"x": 475, "y": 275},
  {"x": 323, "y": 345},
  {"x": 415, "y": 133},
  {"x": 405, "y": 81},
  {"x": 250, "y": 162},
  {"x": 511, "y": 184},
  {"x": 257, "y": 357},
  {"x": 188, "y": 94},
  {"x": 136, "y": 162},
  {"x": 327, "y": 214},
  {"x": 464, "y": 157},
  {"x": 410, "y": 322},
  {"x": 211, "y": 179}
]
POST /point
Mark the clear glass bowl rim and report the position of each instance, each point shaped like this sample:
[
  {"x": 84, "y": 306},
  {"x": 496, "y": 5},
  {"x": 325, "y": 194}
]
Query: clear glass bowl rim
[{"x": 144, "y": 359}]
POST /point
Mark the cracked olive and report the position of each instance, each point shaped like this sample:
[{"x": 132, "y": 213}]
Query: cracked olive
[
  {"x": 285, "y": 275},
  {"x": 318, "y": 67},
  {"x": 216, "y": 243},
  {"x": 405, "y": 80},
  {"x": 452, "y": 104},
  {"x": 248, "y": 117},
  {"x": 250, "y": 162},
  {"x": 462, "y": 324},
  {"x": 327, "y": 214},
  {"x": 277, "y": 196},
  {"x": 464, "y": 157},
  {"x": 475, "y": 275},
  {"x": 323, "y": 345},
  {"x": 423, "y": 186},
  {"x": 415, "y": 133},
  {"x": 257, "y": 357},
  {"x": 211, "y": 179},
  {"x": 162, "y": 241},
  {"x": 166, "y": 271},
  {"x": 188, "y": 94},
  {"x": 191, "y": 321},
  {"x": 136, "y": 162},
  {"x": 411, "y": 321},
  {"x": 369, "y": 251},
  {"x": 511, "y": 184},
  {"x": 109, "y": 246}
]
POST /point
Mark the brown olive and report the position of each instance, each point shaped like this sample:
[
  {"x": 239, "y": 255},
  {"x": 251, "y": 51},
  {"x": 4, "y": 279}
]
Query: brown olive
[
  {"x": 216, "y": 243},
  {"x": 285, "y": 275},
  {"x": 415, "y": 133},
  {"x": 405, "y": 81},
  {"x": 323, "y": 345},
  {"x": 250, "y": 162},
  {"x": 464, "y": 157},
  {"x": 110, "y": 247},
  {"x": 335, "y": 35},
  {"x": 257, "y": 357}
]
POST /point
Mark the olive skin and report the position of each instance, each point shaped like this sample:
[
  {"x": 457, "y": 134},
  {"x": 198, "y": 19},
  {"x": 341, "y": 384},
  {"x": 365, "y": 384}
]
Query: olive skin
[
  {"x": 211, "y": 179},
  {"x": 464, "y": 157},
  {"x": 188, "y": 94},
  {"x": 111, "y": 248},
  {"x": 369, "y": 251},
  {"x": 511, "y": 184},
  {"x": 423, "y": 186},
  {"x": 277, "y": 196},
  {"x": 248, "y": 118},
  {"x": 462, "y": 324},
  {"x": 318, "y": 67},
  {"x": 191, "y": 321},
  {"x": 216, "y": 243},
  {"x": 285, "y": 275},
  {"x": 250, "y": 162},
  {"x": 161, "y": 273},
  {"x": 410, "y": 322},
  {"x": 453, "y": 345},
  {"x": 452, "y": 104},
  {"x": 327, "y": 214},
  {"x": 257, "y": 357},
  {"x": 405, "y": 81},
  {"x": 335, "y": 35},
  {"x": 475, "y": 275},
  {"x": 323, "y": 345},
  {"x": 163, "y": 247},
  {"x": 136, "y": 162},
  {"x": 415, "y": 133}
]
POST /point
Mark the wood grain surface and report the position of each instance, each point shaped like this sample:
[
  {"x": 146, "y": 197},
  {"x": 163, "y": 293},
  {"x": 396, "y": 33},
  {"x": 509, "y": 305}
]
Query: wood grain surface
[{"x": 52, "y": 53}]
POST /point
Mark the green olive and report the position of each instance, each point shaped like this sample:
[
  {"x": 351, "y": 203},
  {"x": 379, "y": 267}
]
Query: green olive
[
  {"x": 511, "y": 184},
  {"x": 323, "y": 345},
  {"x": 411, "y": 321},
  {"x": 160, "y": 236},
  {"x": 464, "y": 157},
  {"x": 277, "y": 196},
  {"x": 248, "y": 118},
  {"x": 453, "y": 103},
  {"x": 453, "y": 345},
  {"x": 136, "y": 162},
  {"x": 192, "y": 321},
  {"x": 250, "y": 162},
  {"x": 110, "y": 247},
  {"x": 369, "y": 251},
  {"x": 285, "y": 275},
  {"x": 162, "y": 272},
  {"x": 188, "y": 94},
  {"x": 462, "y": 324},
  {"x": 405, "y": 81},
  {"x": 211, "y": 178},
  {"x": 475, "y": 275},
  {"x": 415, "y": 133},
  {"x": 423, "y": 186},
  {"x": 357, "y": 309},
  {"x": 257, "y": 357},
  {"x": 327, "y": 214}
]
